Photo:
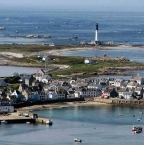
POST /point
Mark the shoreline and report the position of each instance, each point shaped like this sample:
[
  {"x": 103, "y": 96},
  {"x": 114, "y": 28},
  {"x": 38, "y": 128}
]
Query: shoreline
[{"x": 59, "y": 105}]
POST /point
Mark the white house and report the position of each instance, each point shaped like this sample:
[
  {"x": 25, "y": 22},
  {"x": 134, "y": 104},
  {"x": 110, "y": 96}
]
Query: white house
[
  {"x": 87, "y": 93},
  {"x": 88, "y": 61},
  {"x": 139, "y": 79},
  {"x": 94, "y": 86},
  {"x": 125, "y": 94},
  {"x": 132, "y": 84},
  {"x": 118, "y": 82}
]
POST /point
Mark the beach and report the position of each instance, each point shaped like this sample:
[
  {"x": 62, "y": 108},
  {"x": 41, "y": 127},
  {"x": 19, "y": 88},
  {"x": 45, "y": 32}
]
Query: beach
[{"x": 59, "y": 105}]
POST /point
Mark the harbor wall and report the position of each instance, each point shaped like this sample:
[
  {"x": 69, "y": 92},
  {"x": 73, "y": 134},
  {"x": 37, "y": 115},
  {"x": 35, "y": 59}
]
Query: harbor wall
[
  {"x": 31, "y": 103},
  {"x": 121, "y": 102}
]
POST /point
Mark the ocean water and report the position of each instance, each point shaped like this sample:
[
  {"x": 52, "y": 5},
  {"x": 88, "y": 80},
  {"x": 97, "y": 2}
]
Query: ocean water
[
  {"x": 119, "y": 27},
  {"x": 6, "y": 71},
  {"x": 95, "y": 124},
  {"x": 133, "y": 54}
]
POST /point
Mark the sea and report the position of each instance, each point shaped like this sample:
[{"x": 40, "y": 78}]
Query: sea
[
  {"x": 119, "y": 27},
  {"x": 94, "y": 124}
]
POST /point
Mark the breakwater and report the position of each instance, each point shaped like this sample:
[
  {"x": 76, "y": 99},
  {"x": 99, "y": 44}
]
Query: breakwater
[{"x": 23, "y": 117}]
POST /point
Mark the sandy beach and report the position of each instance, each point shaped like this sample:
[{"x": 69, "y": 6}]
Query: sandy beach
[{"x": 59, "y": 105}]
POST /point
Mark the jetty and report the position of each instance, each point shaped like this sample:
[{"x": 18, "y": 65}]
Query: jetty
[{"x": 23, "y": 117}]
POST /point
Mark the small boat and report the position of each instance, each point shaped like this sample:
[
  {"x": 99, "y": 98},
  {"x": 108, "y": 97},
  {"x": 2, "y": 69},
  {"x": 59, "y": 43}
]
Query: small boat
[
  {"x": 136, "y": 128},
  {"x": 120, "y": 114},
  {"x": 140, "y": 112},
  {"x": 28, "y": 122},
  {"x": 139, "y": 119},
  {"x": 138, "y": 131},
  {"x": 4, "y": 122},
  {"x": 77, "y": 140},
  {"x": 49, "y": 122}
]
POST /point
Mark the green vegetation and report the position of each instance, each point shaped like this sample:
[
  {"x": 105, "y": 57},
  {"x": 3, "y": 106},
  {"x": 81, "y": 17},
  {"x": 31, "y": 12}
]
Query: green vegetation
[
  {"x": 13, "y": 86},
  {"x": 12, "y": 80},
  {"x": 20, "y": 48}
]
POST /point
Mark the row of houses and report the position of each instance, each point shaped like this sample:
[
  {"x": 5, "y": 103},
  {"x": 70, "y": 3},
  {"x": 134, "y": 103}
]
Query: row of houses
[{"x": 41, "y": 87}]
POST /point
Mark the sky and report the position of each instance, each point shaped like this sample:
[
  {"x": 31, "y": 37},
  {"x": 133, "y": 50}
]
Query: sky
[{"x": 95, "y": 5}]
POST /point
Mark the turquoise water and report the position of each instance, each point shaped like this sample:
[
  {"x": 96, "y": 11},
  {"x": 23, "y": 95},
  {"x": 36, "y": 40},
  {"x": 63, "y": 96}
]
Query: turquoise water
[{"x": 99, "y": 125}]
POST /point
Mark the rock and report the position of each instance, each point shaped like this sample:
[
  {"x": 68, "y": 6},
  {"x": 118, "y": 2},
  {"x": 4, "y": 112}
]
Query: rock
[
  {"x": 2, "y": 28},
  {"x": 47, "y": 36}
]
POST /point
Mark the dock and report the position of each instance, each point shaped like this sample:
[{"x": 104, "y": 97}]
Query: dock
[{"x": 23, "y": 117}]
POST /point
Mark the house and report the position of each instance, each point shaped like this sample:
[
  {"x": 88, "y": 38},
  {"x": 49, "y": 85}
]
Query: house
[
  {"x": 5, "y": 106},
  {"x": 40, "y": 55},
  {"x": 113, "y": 93},
  {"x": 30, "y": 96},
  {"x": 111, "y": 81},
  {"x": 15, "y": 74},
  {"x": 88, "y": 61},
  {"x": 94, "y": 86},
  {"x": 45, "y": 58},
  {"x": 22, "y": 87},
  {"x": 40, "y": 72},
  {"x": 3, "y": 83},
  {"x": 138, "y": 79},
  {"x": 87, "y": 93},
  {"x": 118, "y": 82},
  {"x": 125, "y": 94},
  {"x": 105, "y": 95},
  {"x": 139, "y": 90},
  {"x": 132, "y": 84},
  {"x": 29, "y": 79}
]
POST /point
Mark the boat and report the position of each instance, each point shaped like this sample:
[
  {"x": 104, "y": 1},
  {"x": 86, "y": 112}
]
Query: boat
[
  {"x": 49, "y": 122},
  {"x": 120, "y": 114},
  {"x": 4, "y": 122},
  {"x": 139, "y": 119},
  {"x": 138, "y": 131},
  {"x": 140, "y": 112},
  {"x": 77, "y": 140},
  {"x": 136, "y": 128}
]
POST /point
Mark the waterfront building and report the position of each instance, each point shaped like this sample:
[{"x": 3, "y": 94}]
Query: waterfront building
[
  {"x": 125, "y": 94},
  {"x": 82, "y": 92},
  {"x": 5, "y": 106},
  {"x": 138, "y": 79}
]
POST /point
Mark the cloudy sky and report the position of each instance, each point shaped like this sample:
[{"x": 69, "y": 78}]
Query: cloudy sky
[{"x": 97, "y": 5}]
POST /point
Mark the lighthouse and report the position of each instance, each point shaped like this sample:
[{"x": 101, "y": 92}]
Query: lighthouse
[{"x": 96, "y": 34}]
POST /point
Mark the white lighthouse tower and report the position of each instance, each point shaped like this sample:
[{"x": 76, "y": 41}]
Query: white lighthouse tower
[{"x": 96, "y": 34}]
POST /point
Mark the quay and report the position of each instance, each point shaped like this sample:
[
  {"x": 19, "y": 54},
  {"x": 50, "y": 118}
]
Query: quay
[
  {"x": 23, "y": 117},
  {"x": 120, "y": 102}
]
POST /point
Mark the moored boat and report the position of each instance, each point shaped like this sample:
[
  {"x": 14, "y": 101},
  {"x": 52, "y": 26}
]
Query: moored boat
[
  {"x": 4, "y": 122},
  {"x": 77, "y": 140},
  {"x": 137, "y": 128},
  {"x": 138, "y": 131}
]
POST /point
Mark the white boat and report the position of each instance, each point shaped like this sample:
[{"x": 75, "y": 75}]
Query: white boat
[
  {"x": 77, "y": 140},
  {"x": 49, "y": 122},
  {"x": 28, "y": 122},
  {"x": 4, "y": 122}
]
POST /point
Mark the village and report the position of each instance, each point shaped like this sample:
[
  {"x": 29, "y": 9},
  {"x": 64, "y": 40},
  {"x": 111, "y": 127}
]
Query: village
[{"x": 42, "y": 87}]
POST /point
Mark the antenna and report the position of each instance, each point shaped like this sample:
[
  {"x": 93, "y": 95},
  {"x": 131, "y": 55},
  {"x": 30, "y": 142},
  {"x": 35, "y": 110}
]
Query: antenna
[{"x": 46, "y": 63}]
